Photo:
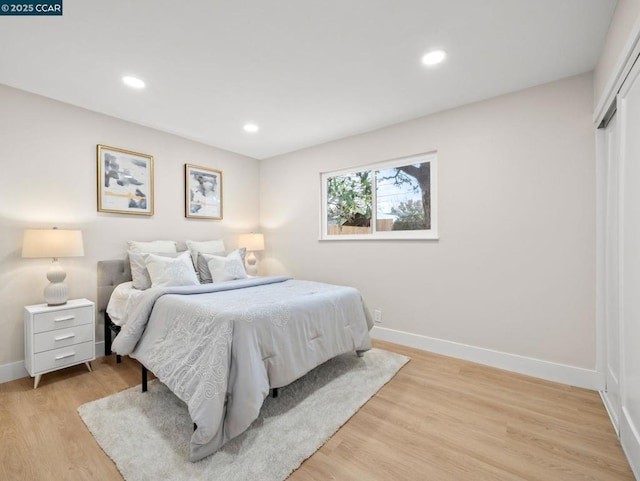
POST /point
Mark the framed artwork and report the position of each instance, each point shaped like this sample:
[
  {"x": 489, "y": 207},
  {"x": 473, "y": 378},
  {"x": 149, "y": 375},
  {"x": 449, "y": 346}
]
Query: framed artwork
[
  {"x": 203, "y": 192},
  {"x": 125, "y": 181}
]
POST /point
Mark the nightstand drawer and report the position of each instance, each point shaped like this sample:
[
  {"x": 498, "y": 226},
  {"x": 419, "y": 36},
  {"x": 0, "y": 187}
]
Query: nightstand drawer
[
  {"x": 47, "y": 321},
  {"x": 56, "y": 358},
  {"x": 45, "y": 341}
]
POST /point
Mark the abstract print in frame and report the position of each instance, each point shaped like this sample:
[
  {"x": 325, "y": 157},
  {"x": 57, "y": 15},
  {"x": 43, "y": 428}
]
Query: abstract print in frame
[
  {"x": 125, "y": 181},
  {"x": 203, "y": 192}
]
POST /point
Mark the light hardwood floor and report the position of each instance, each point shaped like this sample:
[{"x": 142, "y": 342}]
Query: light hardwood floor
[{"x": 438, "y": 419}]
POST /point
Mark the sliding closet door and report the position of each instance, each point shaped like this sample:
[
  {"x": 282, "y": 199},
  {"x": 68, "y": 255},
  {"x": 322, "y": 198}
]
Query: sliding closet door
[
  {"x": 629, "y": 218},
  {"x": 611, "y": 261}
]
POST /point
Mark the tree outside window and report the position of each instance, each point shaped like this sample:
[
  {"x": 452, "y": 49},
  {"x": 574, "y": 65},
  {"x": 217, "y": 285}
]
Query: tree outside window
[{"x": 393, "y": 199}]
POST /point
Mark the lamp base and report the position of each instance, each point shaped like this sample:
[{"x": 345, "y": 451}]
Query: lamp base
[
  {"x": 55, "y": 305},
  {"x": 252, "y": 268},
  {"x": 57, "y": 292}
]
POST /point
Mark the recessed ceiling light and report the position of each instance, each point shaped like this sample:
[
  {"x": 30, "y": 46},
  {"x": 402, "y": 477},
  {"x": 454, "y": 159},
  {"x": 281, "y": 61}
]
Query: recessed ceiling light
[
  {"x": 434, "y": 57},
  {"x": 134, "y": 82},
  {"x": 251, "y": 127}
]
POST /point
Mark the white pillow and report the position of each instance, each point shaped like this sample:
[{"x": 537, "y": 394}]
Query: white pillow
[
  {"x": 203, "y": 264},
  {"x": 139, "y": 272},
  {"x": 165, "y": 271},
  {"x": 215, "y": 246},
  {"x": 227, "y": 268},
  {"x": 154, "y": 247}
]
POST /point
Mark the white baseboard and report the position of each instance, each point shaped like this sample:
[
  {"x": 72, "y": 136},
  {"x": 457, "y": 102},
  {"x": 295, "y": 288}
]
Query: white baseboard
[
  {"x": 16, "y": 370},
  {"x": 574, "y": 376},
  {"x": 630, "y": 441},
  {"x": 11, "y": 371},
  {"x": 99, "y": 349},
  {"x": 610, "y": 411},
  {"x": 561, "y": 373}
]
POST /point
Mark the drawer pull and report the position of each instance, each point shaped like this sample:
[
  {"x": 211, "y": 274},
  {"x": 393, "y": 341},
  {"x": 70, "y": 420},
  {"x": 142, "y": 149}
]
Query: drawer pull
[
  {"x": 64, "y": 356},
  {"x": 62, "y": 338},
  {"x": 67, "y": 318}
]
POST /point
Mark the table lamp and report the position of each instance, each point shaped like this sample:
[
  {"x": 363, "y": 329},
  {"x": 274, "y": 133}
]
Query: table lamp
[
  {"x": 53, "y": 243},
  {"x": 253, "y": 243}
]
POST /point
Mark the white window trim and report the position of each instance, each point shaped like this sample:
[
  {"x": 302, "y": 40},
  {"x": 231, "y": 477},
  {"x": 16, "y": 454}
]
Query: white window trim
[{"x": 427, "y": 234}]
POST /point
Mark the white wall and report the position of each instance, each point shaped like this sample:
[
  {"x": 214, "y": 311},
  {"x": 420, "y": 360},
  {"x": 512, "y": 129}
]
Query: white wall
[
  {"x": 625, "y": 18},
  {"x": 48, "y": 177},
  {"x": 514, "y": 269}
]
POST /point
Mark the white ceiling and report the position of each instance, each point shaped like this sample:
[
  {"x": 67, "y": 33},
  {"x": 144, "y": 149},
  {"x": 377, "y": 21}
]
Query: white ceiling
[{"x": 306, "y": 71}]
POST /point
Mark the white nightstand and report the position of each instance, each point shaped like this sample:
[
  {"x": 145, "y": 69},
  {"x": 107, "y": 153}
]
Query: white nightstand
[{"x": 58, "y": 336}]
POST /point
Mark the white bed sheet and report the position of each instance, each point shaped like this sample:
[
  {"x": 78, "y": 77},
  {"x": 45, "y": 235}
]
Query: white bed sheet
[{"x": 122, "y": 295}]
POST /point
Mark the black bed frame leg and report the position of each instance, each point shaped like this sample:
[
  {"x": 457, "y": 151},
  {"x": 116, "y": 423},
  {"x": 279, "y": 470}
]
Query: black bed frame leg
[
  {"x": 107, "y": 335},
  {"x": 274, "y": 392},
  {"x": 144, "y": 379}
]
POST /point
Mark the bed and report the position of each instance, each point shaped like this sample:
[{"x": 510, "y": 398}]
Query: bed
[{"x": 222, "y": 347}]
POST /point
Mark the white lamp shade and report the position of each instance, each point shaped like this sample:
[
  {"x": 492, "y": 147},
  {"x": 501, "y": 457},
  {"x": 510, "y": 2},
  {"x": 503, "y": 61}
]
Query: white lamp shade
[
  {"x": 253, "y": 242},
  {"x": 52, "y": 243}
]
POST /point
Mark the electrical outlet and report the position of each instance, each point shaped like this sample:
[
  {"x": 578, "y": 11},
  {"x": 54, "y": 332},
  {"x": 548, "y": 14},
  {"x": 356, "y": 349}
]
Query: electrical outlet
[{"x": 377, "y": 316}]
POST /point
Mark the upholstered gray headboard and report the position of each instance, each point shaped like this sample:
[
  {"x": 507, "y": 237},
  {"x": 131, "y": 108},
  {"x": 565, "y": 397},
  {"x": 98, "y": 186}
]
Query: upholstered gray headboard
[{"x": 110, "y": 274}]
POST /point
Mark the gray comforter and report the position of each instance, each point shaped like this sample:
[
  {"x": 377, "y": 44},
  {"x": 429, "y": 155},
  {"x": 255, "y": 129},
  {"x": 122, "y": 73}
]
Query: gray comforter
[{"x": 221, "y": 347}]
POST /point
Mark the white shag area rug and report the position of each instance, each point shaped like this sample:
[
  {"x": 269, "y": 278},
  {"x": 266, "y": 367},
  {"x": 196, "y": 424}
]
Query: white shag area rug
[{"x": 147, "y": 434}]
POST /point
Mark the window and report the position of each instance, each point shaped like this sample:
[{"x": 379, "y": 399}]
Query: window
[{"x": 396, "y": 199}]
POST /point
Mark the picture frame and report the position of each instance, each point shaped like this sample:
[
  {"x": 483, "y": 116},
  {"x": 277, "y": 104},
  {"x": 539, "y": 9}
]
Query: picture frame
[
  {"x": 125, "y": 181},
  {"x": 203, "y": 192}
]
